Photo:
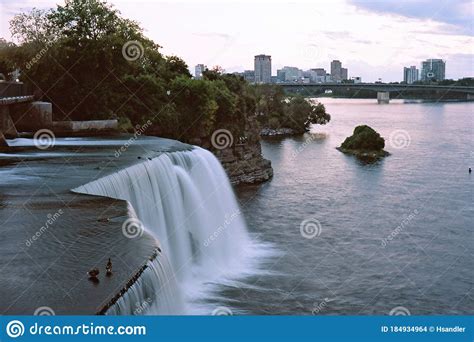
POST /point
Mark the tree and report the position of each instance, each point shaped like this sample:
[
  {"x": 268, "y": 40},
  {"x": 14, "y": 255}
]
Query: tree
[
  {"x": 364, "y": 138},
  {"x": 83, "y": 69},
  {"x": 91, "y": 63},
  {"x": 7, "y": 64}
]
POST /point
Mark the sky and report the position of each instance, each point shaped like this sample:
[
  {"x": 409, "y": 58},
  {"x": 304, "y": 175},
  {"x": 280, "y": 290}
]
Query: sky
[{"x": 373, "y": 39}]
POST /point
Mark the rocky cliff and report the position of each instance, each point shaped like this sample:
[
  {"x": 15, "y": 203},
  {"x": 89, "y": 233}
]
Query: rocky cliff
[
  {"x": 244, "y": 164},
  {"x": 243, "y": 160}
]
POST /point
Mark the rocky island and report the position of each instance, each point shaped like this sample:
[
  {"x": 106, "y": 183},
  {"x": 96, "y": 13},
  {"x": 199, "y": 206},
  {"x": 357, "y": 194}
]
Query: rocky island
[{"x": 365, "y": 143}]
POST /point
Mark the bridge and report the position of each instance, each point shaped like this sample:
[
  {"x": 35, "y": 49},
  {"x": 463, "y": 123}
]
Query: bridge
[{"x": 382, "y": 89}]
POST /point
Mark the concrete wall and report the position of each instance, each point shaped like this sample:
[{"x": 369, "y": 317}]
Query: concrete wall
[
  {"x": 10, "y": 89},
  {"x": 84, "y": 126},
  {"x": 383, "y": 97},
  {"x": 30, "y": 117},
  {"x": 7, "y": 126}
]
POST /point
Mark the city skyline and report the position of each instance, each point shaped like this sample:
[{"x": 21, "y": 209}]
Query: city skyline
[
  {"x": 309, "y": 36},
  {"x": 431, "y": 69}
]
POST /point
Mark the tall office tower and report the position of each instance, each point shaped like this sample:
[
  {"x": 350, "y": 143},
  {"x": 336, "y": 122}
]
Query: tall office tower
[
  {"x": 198, "y": 70},
  {"x": 336, "y": 71},
  {"x": 344, "y": 74},
  {"x": 263, "y": 68},
  {"x": 410, "y": 74},
  {"x": 433, "y": 70}
]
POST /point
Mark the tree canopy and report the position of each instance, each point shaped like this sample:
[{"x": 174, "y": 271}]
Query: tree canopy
[
  {"x": 364, "y": 138},
  {"x": 91, "y": 63}
]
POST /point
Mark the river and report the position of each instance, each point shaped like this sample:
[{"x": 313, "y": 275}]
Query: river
[{"x": 394, "y": 235}]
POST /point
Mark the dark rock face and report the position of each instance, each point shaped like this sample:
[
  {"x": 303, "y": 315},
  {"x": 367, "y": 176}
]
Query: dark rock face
[
  {"x": 243, "y": 160},
  {"x": 244, "y": 164}
]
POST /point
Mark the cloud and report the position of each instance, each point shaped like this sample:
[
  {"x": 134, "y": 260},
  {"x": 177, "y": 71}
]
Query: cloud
[
  {"x": 215, "y": 35},
  {"x": 337, "y": 34},
  {"x": 456, "y": 13},
  {"x": 373, "y": 38}
]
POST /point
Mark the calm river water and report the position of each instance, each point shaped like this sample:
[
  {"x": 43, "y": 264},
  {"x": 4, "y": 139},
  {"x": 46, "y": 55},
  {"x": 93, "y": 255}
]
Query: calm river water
[{"x": 398, "y": 233}]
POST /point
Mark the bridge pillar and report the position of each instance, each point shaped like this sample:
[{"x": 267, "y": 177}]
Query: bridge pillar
[{"x": 383, "y": 97}]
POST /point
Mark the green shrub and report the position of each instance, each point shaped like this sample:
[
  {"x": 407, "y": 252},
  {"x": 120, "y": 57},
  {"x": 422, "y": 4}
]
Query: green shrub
[{"x": 364, "y": 138}]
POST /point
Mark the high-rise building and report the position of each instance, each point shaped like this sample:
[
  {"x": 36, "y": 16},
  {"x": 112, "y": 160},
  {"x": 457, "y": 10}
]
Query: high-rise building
[
  {"x": 263, "y": 68},
  {"x": 198, "y": 70},
  {"x": 410, "y": 74},
  {"x": 316, "y": 75},
  {"x": 290, "y": 74},
  {"x": 249, "y": 75},
  {"x": 433, "y": 70},
  {"x": 344, "y": 74},
  {"x": 319, "y": 71},
  {"x": 281, "y": 75},
  {"x": 338, "y": 73},
  {"x": 336, "y": 70}
]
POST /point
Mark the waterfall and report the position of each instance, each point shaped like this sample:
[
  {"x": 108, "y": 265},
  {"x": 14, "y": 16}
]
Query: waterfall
[
  {"x": 185, "y": 200},
  {"x": 154, "y": 292}
]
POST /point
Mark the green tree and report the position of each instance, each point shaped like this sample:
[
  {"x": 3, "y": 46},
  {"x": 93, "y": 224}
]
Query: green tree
[
  {"x": 364, "y": 138},
  {"x": 82, "y": 69}
]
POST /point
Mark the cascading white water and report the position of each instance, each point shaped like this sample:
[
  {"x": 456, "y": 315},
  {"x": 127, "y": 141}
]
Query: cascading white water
[
  {"x": 186, "y": 201},
  {"x": 154, "y": 292}
]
